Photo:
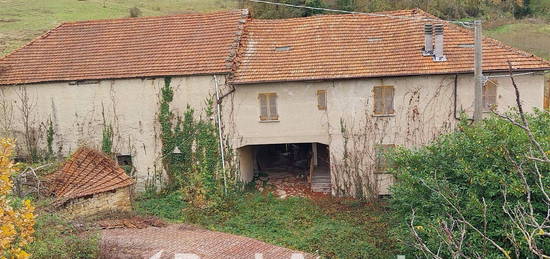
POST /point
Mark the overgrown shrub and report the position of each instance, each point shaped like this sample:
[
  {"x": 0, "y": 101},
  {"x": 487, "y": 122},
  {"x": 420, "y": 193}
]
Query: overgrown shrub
[
  {"x": 57, "y": 238},
  {"x": 460, "y": 194},
  {"x": 134, "y": 12},
  {"x": 16, "y": 220}
]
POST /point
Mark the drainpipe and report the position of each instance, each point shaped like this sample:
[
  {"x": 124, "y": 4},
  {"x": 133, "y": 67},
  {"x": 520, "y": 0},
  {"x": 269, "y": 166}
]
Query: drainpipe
[{"x": 218, "y": 109}]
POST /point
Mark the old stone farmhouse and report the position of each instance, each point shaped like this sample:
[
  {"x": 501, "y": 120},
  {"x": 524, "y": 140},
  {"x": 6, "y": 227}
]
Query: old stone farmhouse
[{"x": 326, "y": 94}]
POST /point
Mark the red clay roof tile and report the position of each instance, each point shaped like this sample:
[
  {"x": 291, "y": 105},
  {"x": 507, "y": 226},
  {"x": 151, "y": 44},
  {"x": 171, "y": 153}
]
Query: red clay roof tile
[
  {"x": 88, "y": 172},
  {"x": 356, "y": 45},
  {"x": 125, "y": 48}
]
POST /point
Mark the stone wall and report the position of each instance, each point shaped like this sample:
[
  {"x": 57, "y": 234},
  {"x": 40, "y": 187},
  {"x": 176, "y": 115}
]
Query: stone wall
[{"x": 113, "y": 201}]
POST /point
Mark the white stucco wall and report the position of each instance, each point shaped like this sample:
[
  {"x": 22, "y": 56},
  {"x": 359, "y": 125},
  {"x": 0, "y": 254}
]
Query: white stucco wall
[
  {"x": 130, "y": 105},
  {"x": 424, "y": 108}
]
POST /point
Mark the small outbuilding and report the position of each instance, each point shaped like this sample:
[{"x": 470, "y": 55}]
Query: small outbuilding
[{"x": 91, "y": 183}]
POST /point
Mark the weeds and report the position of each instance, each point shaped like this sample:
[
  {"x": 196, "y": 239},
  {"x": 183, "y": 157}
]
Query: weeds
[
  {"x": 57, "y": 238},
  {"x": 331, "y": 228}
]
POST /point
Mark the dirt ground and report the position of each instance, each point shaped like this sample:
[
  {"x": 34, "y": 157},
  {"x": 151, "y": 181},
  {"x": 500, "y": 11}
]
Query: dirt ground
[{"x": 169, "y": 241}]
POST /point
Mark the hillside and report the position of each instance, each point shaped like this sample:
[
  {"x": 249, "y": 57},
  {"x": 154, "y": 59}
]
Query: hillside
[
  {"x": 533, "y": 37},
  {"x": 20, "y": 21}
]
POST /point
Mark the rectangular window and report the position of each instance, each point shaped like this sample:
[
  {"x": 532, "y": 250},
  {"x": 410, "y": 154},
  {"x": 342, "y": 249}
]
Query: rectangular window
[
  {"x": 383, "y": 100},
  {"x": 322, "y": 99},
  {"x": 489, "y": 95},
  {"x": 381, "y": 163},
  {"x": 268, "y": 106}
]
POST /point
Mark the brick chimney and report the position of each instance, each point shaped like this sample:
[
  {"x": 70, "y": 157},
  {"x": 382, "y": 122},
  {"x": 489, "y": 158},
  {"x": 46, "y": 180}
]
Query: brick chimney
[
  {"x": 428, "y": 40},
  {"x": 438, "y": 46}
]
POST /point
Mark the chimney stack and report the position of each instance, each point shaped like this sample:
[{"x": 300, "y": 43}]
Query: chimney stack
[
  {"x": 428, "y": 40},
  {"x": 438, "y": 46}
]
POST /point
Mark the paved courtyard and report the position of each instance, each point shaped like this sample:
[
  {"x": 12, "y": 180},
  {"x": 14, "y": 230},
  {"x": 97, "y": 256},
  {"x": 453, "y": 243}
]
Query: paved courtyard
[{"x": 185, "y": 241}]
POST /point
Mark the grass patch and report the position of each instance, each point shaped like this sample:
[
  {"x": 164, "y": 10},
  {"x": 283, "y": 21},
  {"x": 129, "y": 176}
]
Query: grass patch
[
  {"x": 530, "y": 37},
  {"x": 331, "y": 228},
  {"x": 55, "y": 237},
  {"x": 20, "y": 21},
  {"x": 167, "y": 207}
]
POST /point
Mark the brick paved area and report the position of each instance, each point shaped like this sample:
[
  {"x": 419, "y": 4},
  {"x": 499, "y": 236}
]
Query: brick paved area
[{"x": 181, "y": 239}]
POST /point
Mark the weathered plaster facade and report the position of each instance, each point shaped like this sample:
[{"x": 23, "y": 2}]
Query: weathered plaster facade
[
  {"x": 424, "y": 108},
  {"x": 79, "y": 113}
]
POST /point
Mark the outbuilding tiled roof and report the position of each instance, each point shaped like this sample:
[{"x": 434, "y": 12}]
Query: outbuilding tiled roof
[
  {"x": 125, "y": 48},
  {"x": 88, "y": 172},
  {"x": 357, "y": 45}
]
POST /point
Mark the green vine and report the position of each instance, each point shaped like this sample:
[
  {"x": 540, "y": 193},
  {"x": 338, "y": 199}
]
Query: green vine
[
  {"x": 49, "y": 138},
  {"x": 107, "y": 139},
  {"x": 196, "y": 169}
]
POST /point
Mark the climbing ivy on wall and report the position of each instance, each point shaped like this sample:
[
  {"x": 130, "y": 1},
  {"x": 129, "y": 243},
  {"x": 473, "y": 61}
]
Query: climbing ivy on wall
[
  {"x": 191, "y": 152},
  {"x": 49, "y": 138},
  {"x": 107, "y": 139}
]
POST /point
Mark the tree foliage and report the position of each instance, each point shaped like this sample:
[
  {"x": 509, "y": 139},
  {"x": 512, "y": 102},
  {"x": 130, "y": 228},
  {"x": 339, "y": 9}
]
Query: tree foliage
[
  {"x": 447, "y": 9},
  {"x": 466, "y": 190},
  {"x": 16, "y": 223}
]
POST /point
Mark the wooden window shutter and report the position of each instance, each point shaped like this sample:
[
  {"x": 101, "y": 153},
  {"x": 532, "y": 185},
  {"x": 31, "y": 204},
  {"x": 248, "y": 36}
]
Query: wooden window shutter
[
  {"x": 489, "y": 95},
  {"x": 263, "y": 106},
  {"x": 378, "y": 100},
  {"x": 547, "y": 95},
  {"x": 273, "y": 115},
  {"x": 383, "y": 100},
  {"x": 322, "y": 99},
  {"x": 388, "y": 99}
]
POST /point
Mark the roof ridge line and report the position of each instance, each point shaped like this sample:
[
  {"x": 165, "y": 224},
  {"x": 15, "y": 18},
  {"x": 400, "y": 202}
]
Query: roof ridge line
[{"x": 234, "y": 48}]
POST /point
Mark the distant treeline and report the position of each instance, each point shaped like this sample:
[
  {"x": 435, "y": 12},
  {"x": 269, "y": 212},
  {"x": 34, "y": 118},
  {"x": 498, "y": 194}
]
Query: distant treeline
[{"x": 447, "y": 9}]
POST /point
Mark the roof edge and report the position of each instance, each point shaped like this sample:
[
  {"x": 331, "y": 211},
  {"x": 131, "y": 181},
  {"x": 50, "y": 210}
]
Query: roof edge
[
  {"x": 114, "y": 78},
  {"x": 383, "y": 76}
]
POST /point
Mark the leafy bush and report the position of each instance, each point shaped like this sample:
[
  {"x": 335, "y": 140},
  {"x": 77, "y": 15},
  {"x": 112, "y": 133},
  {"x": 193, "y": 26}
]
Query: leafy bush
[
  {"x": 16, "y": 218},
  {"x": 57, "y": 238},
  {"x": 478, "y": 170},
  {"x": 134, "y": 12}
]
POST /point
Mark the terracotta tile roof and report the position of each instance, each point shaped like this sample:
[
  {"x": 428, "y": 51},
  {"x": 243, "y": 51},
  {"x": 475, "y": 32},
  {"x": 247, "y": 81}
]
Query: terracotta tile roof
[
  {"x": 355, "y": 45},
  {"x": 88, "y": 172},
  {"x": 132, "y": 47}
]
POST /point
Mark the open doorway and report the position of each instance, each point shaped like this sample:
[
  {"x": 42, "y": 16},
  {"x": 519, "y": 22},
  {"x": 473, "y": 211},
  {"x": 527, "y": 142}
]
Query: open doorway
[
  {"x": 292, "y": 168},
  {"x": 283, "y": 159}
]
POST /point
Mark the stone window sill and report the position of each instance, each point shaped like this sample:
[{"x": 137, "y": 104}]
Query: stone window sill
[{"x": 383, "y": 115}]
